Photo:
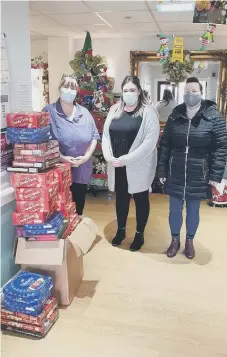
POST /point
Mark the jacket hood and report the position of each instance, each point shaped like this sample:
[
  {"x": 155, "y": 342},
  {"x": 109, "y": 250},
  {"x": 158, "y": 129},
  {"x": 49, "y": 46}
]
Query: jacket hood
[{"x": 208, "y": 110}]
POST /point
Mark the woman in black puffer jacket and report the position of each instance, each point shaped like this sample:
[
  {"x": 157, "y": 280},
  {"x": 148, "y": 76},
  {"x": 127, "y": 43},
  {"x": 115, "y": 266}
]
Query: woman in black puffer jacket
[{"x": 192, "y": 157}]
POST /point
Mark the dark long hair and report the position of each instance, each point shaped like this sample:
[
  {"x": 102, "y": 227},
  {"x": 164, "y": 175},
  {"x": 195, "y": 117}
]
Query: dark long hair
[
  {"x": 167, "y": 96},
  {"x": 142, "y": 100}
]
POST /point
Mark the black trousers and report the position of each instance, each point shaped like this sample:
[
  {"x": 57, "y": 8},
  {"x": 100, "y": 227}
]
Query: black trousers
[
  {"x": 79, "y": 191},
  {"x": 123, "y": 201}
]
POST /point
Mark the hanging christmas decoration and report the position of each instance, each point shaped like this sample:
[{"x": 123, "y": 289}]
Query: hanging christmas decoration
[
  {"x": 163, "y": 51},
  {"x": 177, "y": 72},
  {"x": 207, "y": 37},
  {"x": 178, "y": 50}
]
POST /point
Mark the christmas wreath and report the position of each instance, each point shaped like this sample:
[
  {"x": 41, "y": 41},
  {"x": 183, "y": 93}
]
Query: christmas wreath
[{"x": 177, "y": 72}]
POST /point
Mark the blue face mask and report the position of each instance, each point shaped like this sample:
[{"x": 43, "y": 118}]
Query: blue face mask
[{"x": 68, "y": 95}]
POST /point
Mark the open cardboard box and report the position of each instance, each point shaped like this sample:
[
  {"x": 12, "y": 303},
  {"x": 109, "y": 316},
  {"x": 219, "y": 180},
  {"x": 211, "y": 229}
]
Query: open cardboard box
[{"x": 62, "y": 259}]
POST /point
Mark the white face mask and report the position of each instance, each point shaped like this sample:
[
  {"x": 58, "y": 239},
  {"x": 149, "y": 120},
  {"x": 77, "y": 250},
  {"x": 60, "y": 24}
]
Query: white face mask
[
  {"x": 130, "y": 98},
  {"x": 68, "y": 95}
]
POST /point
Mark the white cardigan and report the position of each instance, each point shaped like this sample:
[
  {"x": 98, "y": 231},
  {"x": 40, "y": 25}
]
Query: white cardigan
[{"x": 141, "y": 161}]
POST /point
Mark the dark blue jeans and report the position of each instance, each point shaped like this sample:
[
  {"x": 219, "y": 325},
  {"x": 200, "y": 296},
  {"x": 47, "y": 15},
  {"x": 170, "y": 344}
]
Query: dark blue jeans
[{"x": 176, "y": 216}]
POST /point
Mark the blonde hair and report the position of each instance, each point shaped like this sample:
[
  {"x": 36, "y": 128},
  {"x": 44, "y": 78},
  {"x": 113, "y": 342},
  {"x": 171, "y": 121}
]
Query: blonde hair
[{"x": 68, "y": 80}]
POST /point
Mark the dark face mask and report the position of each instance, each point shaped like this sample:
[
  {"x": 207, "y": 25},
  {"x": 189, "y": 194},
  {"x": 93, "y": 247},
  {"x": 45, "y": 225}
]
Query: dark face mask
[{"x": 191, "y": 99}]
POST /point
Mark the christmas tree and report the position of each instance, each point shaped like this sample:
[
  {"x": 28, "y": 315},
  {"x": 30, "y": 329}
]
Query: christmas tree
[{"x": 96, "y": 94}]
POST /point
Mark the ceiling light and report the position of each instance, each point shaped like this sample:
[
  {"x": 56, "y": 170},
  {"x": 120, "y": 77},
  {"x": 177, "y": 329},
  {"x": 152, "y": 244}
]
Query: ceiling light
[
  {"x": 170, "y": 7},
  {"x": 107, "y": 23}
]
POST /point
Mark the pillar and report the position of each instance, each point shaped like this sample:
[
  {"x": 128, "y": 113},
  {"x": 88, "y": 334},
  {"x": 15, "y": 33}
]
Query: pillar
[
  {"x": 60, "y": 53},
  {"x": 15, "y": 24}
]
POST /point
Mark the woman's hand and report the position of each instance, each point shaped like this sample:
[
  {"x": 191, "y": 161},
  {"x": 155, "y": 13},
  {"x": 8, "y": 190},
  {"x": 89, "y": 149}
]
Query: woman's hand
[
  {"x": 80, "y": 160},
  {"x": 162, "y": 180},
  {"x": 68, "y": 159},
  {"x": 117, "y": 163}
]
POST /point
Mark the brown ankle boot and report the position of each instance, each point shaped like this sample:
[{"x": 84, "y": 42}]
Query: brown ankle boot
[
  {"x": 173, "y": 248},
  {"x": 189, "y": 249}
]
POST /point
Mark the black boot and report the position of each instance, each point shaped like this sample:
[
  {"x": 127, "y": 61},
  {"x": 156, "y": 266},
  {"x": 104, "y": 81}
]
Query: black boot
[
  {"x": 119, "y": 237},
  {"x": 189, "y": 249},
  {"x": 138, "y": 242},
  {"x": 174, "y": 247}
]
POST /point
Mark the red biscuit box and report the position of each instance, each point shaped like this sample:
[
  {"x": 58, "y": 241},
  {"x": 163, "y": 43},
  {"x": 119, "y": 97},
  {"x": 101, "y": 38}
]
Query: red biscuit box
[
  {"x": 28, "y": 120},
  {"x": 49, "y": 306},
  {"x": 33, "y": 158},
  {"x": 20, "y": 219},
  {"x": 62, "y": 173},
  {"x": 29, "y": 327},
  {"x": 39, "y": 153},
  {"x": 37, "y": 194},
  {"x": 35, "y": 206},
  {"x": 69, "y": 210},
  {"x": 43, "y": 147},
  {"x": 31, "y": 180}
]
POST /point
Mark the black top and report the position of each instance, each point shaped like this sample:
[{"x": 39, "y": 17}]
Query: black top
[
  {"x": 192, "y": 153},
  {"x": 123, "y": 132}
]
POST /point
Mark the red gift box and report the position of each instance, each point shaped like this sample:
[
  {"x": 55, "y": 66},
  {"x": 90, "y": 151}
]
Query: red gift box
[
  {"x": 33, "y": 158},
  {"x": 62, "y": 174},
  {"x": 49, "y": 147},
  {"x": 20, "y": 219},
  {"x": 48, "y": 308},
  {"x": 69, "y": 210},
  {"x": 32, "y": 180},
  {"x": 218, "y": 198},
  {"x": 35, "y": 206},
  {"x": 37, "y": 194},
  {"x": 28, "y": 120},
  {"x": 22, "y": 327}
]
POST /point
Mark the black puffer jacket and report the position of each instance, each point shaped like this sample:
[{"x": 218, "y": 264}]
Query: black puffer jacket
[{"x": 193, "y": 152}]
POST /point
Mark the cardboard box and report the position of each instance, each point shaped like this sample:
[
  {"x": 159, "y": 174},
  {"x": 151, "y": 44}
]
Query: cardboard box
[{"x": 62, "y": 259}]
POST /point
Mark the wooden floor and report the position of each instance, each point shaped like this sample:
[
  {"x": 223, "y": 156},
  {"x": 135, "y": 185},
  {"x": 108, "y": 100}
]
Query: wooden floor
[{"x": 143, "y": 304}]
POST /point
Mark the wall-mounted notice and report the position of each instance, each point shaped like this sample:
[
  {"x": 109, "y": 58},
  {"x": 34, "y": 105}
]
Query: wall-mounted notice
[{"x": 5, "y": 79}]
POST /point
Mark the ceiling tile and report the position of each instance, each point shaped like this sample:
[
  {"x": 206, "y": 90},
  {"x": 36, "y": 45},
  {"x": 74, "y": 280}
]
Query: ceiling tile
[
  {"x": 92, "y": 29},
  {"x": 34, "y": 12},
  {"x": 120, "y": 17},
  {"x": 59, "y": 7},
  {"x": 116, "y": 5},
  {"x": 172, "y": 16},
  {"x": 41, "y": 21},
  {"x": 54, "y": 31},
  {"x": 77, "y": 19},
  {"x": 180, "y": 26},
  {"x": 139, "y": 27}
]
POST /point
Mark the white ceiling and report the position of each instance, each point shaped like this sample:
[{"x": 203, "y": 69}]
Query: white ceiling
[{"x": 109, "y": 19}]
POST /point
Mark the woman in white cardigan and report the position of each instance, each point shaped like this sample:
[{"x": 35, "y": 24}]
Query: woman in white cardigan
[{"x": 129, "y": 142}]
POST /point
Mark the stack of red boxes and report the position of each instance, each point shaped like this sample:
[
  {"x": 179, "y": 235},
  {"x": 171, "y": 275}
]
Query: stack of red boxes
[
  {"x": 64, "y": 204},
  {"x": 35, "y": 326},
  {"x": 36, "y": 197},
  {"x": 42, "y": 184},
  {"x": 30, "y": 134}
]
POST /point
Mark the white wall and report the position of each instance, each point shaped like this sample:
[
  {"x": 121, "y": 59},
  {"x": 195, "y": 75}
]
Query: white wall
[
  {"x": 38, "y": 48},
  {"x": 117, "y": 51},
  {"x": 15, "y": 24}
]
